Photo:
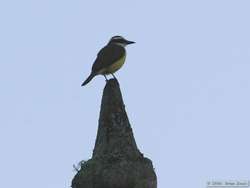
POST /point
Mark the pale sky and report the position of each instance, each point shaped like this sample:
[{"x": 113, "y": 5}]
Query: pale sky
[{"x": 185, "y": 84}]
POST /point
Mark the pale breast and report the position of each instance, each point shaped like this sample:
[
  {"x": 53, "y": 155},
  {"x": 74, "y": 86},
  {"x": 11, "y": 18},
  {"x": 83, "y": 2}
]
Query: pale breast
[{"x": 115, "y": 66}]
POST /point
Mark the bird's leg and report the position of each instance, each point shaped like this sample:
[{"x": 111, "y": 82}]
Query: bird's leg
[
  {"x": 113, "y": 76},
  {"x": 105, "y": 77}
]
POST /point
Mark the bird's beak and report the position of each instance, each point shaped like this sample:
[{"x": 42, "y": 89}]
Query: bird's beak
[{"x": 130, "y": 42}]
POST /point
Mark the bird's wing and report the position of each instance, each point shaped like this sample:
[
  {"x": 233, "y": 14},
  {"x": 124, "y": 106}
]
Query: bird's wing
[{"x": 107, "y": 56}]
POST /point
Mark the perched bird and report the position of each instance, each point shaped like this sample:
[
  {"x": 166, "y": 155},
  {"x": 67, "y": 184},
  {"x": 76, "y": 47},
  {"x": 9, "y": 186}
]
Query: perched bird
[{"x": 110, "y": 58}]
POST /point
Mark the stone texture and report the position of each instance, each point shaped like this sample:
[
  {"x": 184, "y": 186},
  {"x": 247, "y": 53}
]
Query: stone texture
[{"x": 116, "y": 161}]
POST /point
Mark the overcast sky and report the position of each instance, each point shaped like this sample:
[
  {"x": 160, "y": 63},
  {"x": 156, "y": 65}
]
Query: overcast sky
[{"x": 186, "y": 87}]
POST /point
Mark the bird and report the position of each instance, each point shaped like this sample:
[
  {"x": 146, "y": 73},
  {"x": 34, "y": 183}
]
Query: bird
[{"x": 109, "y": 59}]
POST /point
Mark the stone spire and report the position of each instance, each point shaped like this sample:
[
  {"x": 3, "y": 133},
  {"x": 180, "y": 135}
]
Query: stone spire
[{"x": 116, "y": 160}]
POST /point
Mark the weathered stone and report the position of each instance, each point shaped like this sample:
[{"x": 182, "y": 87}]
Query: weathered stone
[{"x": 116, "y": 160}]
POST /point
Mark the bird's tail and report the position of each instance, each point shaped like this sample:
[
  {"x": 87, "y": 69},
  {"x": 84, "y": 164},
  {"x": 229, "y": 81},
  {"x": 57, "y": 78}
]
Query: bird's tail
[{"x": 91, "y": 76}]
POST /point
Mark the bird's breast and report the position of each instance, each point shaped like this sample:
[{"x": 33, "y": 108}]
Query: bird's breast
[{"x": 116, "y": 65}]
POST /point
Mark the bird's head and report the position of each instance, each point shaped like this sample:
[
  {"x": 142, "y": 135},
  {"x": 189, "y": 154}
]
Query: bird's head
[{"x": 119, "y": 40}]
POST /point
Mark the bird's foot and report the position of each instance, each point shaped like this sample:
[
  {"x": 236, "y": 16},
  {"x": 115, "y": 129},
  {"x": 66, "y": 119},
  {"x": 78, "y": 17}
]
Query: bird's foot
[
  {"x": 105, "y": 78},
  {"x": 114, "y": 76}
]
